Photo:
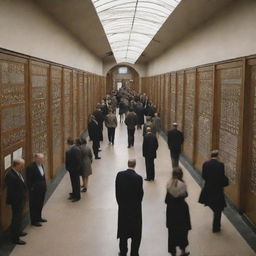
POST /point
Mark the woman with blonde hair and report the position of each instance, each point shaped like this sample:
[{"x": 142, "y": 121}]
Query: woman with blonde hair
[{"x": 177, "y": 213}]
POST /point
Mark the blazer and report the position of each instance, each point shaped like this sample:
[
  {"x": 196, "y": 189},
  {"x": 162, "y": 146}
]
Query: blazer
[
  {"x": 16, "y": 188},
  {"x": 150, "y": 145},
  {"x": 175, "y": 140},
  {"x": 34, "y": 177}
]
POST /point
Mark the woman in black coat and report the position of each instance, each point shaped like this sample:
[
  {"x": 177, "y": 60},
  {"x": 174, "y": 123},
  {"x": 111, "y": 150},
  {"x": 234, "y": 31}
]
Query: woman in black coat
[{"x": 177, "y": 214}]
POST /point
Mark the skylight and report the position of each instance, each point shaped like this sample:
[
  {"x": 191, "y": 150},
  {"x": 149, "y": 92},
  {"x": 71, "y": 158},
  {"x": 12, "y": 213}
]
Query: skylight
[{"x": 130, "y": 25}]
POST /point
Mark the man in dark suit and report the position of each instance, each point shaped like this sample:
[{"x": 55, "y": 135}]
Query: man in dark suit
[
  {"x": 149, "y": 148},
  {"x": 16, "y": 194},
  {"x": 131, "y": 121},
  {"x": 175, "y": 140},
  {"x": 37, "y": 188},
  {"x": 129, "y": 194},
  {"x": 212, "y": 194},
  {"x": 95, "y": 135},
  {"x": 99, "y": 116},
  {"x": 73, "y": 166}
]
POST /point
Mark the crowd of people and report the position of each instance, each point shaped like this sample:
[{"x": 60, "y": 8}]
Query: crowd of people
[{"x": 135, "y": 111}]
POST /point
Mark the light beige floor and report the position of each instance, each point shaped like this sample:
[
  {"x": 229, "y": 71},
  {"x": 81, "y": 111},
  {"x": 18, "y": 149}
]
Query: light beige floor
[{"x": 88, "y": 227}]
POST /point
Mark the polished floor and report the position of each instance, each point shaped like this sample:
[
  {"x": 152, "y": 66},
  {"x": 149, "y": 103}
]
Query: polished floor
[{"x": 88, "y": 227}]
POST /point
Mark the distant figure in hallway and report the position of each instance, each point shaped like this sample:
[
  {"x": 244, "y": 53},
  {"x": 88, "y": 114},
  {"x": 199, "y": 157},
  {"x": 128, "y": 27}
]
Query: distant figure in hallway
[
  {"x": 149, "y": 148},
  {"x": 212, "y": 194},
  {"x": 15, "y": 196},
  {"x": 148, "y": 124},
  {"x": 99, "y": 116},
  {"x": 73, "y": 166},
  {"x": 111, "y": 124},
  {"x": 131, "y": 122},
  {"x": 37, "y": 188},
  {"x": 95, "y": 135},
  {"x": 156, "y": 124},
  {"x": 177, "y": 214},
  {"x": 175, "y": 140},
  {"x": 129, "y": 194},
  {"x": 86, "y": 169},
  {"x": 122, "y": 110}
]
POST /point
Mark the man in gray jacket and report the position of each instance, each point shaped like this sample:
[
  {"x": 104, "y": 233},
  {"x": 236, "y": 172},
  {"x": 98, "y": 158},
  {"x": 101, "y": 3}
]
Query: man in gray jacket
[
  {"x": 131, "y": 121},
  {"x": 111, "y": 124}
]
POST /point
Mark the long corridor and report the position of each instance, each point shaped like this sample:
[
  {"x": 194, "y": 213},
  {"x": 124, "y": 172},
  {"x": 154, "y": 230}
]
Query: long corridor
[{"x": 88, "y": 227}]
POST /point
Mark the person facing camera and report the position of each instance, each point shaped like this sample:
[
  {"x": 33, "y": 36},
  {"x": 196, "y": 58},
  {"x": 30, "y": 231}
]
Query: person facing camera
[{"x": 177, "y": 213}]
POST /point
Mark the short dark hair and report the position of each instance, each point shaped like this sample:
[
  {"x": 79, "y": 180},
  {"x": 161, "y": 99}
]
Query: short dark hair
[
  {"x": 214, "y": 153},
  {"x": 177, "y": 173},
  {"x": 70, "y": 141},
  {"x": 132, "y": 163},
  {"x": 83, "y": 141},
  {"x": 78, "y": 142}
]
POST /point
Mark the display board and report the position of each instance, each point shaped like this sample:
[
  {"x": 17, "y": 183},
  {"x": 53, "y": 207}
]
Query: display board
[
  {"x": 173, "y": 117},
  {"x": 180, "y": 100}
]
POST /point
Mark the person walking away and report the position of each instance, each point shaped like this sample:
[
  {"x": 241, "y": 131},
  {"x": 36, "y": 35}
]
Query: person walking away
[
  {"x": 212, "y": 194},
  {"x": 156, "y": 124},
  {"x": 175, "y": 140},
  {"x": 111, "y": 124},
  {"x": 129, "y": 195},
  {"x": 131, "y": 121},
  {"x": 95, "y": 134},
  {"x": 177, "y": 214},
  {"x": 149, "y": 148},
  {"x": 86, "y": 170}
]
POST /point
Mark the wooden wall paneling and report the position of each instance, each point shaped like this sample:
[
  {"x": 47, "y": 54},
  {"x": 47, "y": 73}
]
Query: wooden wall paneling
[
  {"x": 39, "y": 112},
  {"x": 14, "y": 118},
  {"x": 167, "y": 102},
  {"x": 248, "y": 176},
  {"x": 229, "y": 78},
  {"x": 162, "y": 99},
  {"x": 75, "y": 104},
  {"x": 86, "y": 101},
  {"x": 204, "y": 125},
  {"x": 173, "y": 99},
  {"x": 180, "y": 100},
  {"x": 67, "y": 105},
  {"x": 189, "y": 114},
  {"x": 57, "y": 114},
  {"x": 81, "y": 105}
]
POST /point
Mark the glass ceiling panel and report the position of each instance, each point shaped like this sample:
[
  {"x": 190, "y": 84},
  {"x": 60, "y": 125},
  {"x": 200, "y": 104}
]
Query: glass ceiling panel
[{"x": 130, "y": 25}]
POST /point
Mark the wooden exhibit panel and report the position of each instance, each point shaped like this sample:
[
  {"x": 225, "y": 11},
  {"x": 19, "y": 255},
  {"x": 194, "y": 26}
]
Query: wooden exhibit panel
[
  {"x": 167, "y": 103},
  {"x": 249, "y": 197},
  {"x": 204, "y": 126},
  {"x": 81, "y": 102},
  {"x": 67, "y": 105},
  {"x": 14, "y": 94},
  {"x": 180, "y": 100},
  {"x": 173, "y": 100},
  {"x": 162, "y": 99},
  {"x": 229, "y": 83},
  {"x": 75, "y": 104},
  {"x": 189, "y": 114},
  {"x": 56, "y": 118},
  {"x": 85, "y": 101},
  {"x": 39, "y": 112}
]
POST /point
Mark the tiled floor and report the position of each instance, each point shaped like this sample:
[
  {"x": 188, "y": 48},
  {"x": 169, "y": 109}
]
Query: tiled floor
[{"x": 88, "y": 227}]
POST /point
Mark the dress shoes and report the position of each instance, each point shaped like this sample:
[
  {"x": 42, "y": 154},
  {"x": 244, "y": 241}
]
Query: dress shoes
[
  {"x": 215, "y": 230},
  {"x": 75, "y": 200},
  {"x": 147, "y": 179},
  {"x": 43, "y": 220},
  {"x": 84, "y": 190},
  {"x": 36, "y": 224},
  {"x": 20, "y": 242},
  {"x": 97, "y": 157},
  {"x": 23, "y": 234}
]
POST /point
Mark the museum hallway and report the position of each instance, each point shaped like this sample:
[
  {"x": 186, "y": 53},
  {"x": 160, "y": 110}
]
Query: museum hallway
[{"x": 88, "y": 227}]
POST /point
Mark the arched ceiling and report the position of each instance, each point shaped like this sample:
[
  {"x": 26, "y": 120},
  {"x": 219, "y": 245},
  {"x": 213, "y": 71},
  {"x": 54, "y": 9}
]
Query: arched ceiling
[{"x": 80, "y": 18}]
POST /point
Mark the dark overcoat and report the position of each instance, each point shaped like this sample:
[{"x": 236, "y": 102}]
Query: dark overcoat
[
  {"x": 177, "y": 214},
  {"x": 212, "y": 194},
  {"x": 150, "y": 145},
  {"x": 74, "y": 160},
  {"x": 129, "y": 194},
  {"x": 94, "y": 131},
  {"x": 139, "y": 110},
  {"x": 175, "y": 140}
]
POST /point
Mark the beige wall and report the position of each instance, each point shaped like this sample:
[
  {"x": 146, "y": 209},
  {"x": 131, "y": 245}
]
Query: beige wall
[
  {"x": 141, "y": 69},
  {"x": 229, "y": 35},
  {"x": 26, "y": 29}
]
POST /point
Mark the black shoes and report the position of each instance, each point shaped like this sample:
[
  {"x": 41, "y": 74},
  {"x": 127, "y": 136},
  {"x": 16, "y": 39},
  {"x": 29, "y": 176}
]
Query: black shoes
[
  {"x": 97, "y": 157},
  {"x": 43, "y": 220},
  {"x": 20, "y": 242},
  {"x": 84, "y": 190},
  {"x": 215, "y": 230},
  {"x": 36, "y": 224},
  {"x": 149, "y": 179},
  {"x": 23, "y": 234},
  {"x": 75, "y": 200}
]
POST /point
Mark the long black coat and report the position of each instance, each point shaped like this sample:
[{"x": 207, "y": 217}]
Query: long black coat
[
  {"x": 150, "y": 145},
  {"x": 177, "y": 214},
  {"x": 212, "y": 194},
  {"x": 74, "y": 160},
  {"x": 34, "y": 178},
  {"x": 94, "y": 131},
  {"x": 129, "y": 194},
  {"x": 16, "y": 189},
  {"x": 139, "y": 110},
  {"x": 175, "y": 140}
]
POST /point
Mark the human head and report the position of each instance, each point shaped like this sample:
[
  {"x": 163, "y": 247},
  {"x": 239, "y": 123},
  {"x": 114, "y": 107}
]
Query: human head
[
  {"x": 83, "y": 141},
  {"x": 175, "y": 125},
  {"x": 215, "y": 153},
  {"x": 148, "y": 129},
  {"x": 39, "y": 158},
  {"x": 78, "y": 142},
  {"x": 177, "y": 173},
  {"x": 70, "y": 141},
  {"x": 132, "y": 163},
  {"x": 18, "y": 164}
]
